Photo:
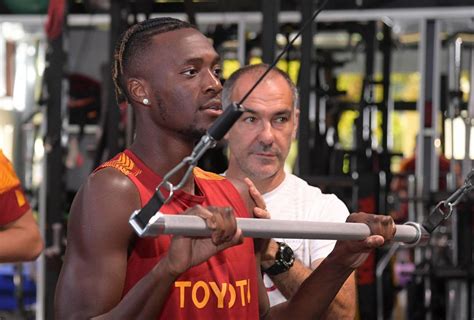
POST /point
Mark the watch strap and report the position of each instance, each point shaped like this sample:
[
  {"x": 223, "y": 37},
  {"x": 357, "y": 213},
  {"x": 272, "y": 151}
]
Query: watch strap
[{"x": 284, "y": 260}]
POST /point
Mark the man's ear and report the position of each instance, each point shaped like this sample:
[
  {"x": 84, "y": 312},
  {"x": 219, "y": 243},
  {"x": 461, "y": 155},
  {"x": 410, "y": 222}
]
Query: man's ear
[
  {"x": 138, "y": 91},
  {"x": 296, "y": 120}
]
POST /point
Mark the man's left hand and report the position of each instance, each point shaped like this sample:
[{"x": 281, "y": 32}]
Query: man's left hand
[{"x": 259, "y": 211}]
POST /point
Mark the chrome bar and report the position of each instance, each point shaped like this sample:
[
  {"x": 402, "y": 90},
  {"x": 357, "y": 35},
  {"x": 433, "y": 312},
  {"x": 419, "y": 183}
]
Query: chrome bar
[{"x": 410, "y": 233}]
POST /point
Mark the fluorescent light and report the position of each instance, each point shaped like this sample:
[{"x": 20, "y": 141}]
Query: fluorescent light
[
  {"x": 6, "y": 140},
  {"x": 455, "y": 133},
  {"x": 12, "y": 31}
]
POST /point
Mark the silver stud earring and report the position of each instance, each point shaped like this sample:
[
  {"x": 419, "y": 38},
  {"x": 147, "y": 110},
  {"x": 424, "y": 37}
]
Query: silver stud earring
[{"x": 146, "y": 101}]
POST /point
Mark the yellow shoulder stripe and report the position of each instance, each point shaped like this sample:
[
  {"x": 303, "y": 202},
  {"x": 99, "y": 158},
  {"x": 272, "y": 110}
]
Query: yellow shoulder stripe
[
  {"x": 201, "y": 174},
  {"x": 124, "y": 164}
]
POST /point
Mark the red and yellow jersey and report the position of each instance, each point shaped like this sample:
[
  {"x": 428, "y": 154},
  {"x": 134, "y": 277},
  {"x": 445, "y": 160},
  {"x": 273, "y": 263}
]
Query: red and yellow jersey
[
  {"x": 13, "y": 202},
  {"x": 225, "y": 286}
]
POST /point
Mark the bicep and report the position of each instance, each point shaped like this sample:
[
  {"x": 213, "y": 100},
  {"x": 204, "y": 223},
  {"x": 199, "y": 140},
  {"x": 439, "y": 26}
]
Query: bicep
[
  {"x": 94, "y": 269},
  {"x": 89, "y": 286}
]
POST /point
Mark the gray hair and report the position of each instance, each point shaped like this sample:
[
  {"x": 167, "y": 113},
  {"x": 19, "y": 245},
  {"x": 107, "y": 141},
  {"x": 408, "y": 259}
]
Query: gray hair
[{"x": 256, "y": 68}]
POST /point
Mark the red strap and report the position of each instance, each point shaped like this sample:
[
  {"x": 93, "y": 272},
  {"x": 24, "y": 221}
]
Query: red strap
[{"x": 55, "y": 21}]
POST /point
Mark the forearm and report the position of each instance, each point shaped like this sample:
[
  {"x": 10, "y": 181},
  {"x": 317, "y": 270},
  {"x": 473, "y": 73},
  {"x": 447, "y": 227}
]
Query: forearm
[
  {"x": 146, "y": 299},
  {"x": 315, "y": 294},
  {"x": 344, "y": 304},
  {"x": 289, "y": 282}
]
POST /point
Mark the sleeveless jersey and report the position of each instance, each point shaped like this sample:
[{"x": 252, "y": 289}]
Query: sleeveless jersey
[
  {"x": 12, "y": 199},
  {"x": 225, "y": 286}
]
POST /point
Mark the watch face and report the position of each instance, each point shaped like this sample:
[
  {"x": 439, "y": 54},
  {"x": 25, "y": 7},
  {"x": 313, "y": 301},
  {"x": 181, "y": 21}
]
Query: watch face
[
  {"x": 283, "y": 261},
  {"x": 287, "y": 253},
  {"x": 286, "y": 256}
]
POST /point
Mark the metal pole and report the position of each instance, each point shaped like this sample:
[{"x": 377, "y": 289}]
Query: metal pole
[
  {"x": 304, "y": 85},
  {"x": 453, "y": 107},
  {"x": 421, "y": 110},
  {"x": 410, "y": 233},
  {"x": 387, "y": 107},
  {"x": 241, "y": 40},
  {"x": 467, "y": 162},
  {"x": 41, "y": 273},
  {"x": 270, "y": 9},
  {"x": 426, "y": 169},
  {"x": 56, "y": 86},
  {"x": 381, "y": 266},
  {"x": 435, "y": 97},
  {"x": 421, "y": 171},
  {"x": 118, "y": 14}
]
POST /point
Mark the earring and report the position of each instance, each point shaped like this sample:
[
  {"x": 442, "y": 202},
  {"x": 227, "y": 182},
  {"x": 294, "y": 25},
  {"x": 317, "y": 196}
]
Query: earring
[{"x": 146, "y": 101}]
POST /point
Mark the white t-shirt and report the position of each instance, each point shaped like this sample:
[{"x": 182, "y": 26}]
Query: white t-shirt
[{"x": 294, "y": 199}]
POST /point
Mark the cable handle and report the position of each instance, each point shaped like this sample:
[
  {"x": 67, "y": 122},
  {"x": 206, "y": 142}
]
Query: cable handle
[
  {"x": 225, "y": 121},
  {"x": 443, "y": 210}
]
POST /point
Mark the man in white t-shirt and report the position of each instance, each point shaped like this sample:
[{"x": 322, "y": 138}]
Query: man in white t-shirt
[{"x": 259, "y": 143}]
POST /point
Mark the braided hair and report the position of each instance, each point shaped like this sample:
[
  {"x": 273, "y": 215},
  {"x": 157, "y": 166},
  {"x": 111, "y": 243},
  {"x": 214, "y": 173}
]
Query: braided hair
[{"x": 135, "y": 40}]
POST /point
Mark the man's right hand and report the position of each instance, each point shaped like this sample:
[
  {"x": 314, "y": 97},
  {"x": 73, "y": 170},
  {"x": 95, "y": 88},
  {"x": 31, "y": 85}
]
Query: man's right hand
[
  {"x": 186, "y": 252},
  {"x": 353, "y": 253}
]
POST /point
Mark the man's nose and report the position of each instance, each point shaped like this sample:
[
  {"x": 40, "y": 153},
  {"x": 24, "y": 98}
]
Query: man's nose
[
  {"x": 266, "y": 135},
  {"x": 213, "y": 83}
]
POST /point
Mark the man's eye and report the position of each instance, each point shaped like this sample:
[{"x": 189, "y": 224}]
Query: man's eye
[
  {"x": 218, "y": 71},
  {"x": 190, "y": 72},
  {"x": 281, "y": 119},
  {"x": 250, "y": 119}
]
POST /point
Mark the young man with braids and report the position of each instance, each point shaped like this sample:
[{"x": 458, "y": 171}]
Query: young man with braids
[{"x": 169, "y": 72}]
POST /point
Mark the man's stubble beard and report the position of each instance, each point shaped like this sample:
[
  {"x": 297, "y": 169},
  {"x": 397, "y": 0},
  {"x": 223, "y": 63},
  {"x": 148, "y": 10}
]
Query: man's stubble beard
[
  {"x": 253, "y": 171},
  {"x": 191, "y": 132}
]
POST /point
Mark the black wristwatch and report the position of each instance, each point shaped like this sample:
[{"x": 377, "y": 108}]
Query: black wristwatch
[{"x": 283, "y": 260}]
